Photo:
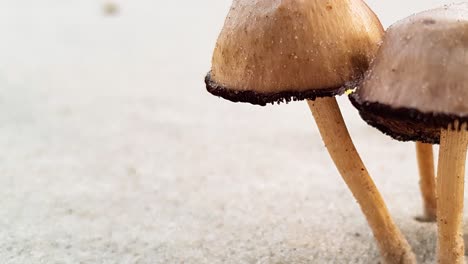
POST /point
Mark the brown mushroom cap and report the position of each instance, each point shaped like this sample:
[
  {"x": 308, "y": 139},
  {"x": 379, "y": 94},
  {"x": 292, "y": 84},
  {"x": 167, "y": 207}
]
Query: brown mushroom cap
[
  {"x": 418, "y": 83},
  {"x": 277, "y": 50}
]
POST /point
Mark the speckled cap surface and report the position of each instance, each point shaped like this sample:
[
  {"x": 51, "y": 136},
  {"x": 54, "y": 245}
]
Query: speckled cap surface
[
  {"x": 418, "y": 83},
  {"x": 280, "y": 50}
]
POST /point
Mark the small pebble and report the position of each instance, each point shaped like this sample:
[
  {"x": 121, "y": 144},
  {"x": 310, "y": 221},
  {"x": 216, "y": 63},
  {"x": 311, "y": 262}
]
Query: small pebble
[{"x": 111, "y": 9}]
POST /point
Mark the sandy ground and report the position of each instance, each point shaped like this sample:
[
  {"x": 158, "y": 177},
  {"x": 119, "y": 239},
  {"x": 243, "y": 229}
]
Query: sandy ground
[{"x": 114, "y": 153}]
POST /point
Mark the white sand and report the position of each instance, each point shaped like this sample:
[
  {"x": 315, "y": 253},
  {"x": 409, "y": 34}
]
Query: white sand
[{"x": 112, "y": 151}]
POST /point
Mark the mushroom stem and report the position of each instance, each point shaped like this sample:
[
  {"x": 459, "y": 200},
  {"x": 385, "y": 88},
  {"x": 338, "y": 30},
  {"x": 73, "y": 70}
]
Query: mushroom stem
[
  {"x": 427, "y": 183},
  {"x": 392, "y": 244},
  {"x": 450, "y": 188}
]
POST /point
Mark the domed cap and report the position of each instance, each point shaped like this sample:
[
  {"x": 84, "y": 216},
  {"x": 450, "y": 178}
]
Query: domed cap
[
  {"x": 418, "y": 83},
  {"x": 277, "y": 50}
]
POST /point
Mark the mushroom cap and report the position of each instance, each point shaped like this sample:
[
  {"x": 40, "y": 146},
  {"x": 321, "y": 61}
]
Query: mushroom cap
[
  {"x": 280, "y": 50},
  {"x": 418, "y": 82}
]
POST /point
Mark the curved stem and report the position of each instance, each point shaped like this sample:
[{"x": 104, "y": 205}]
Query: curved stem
[
  {"x": 427, "y": 183},
  {"x": 450, "y": 193},
  {"x": 392, "y": 244}
]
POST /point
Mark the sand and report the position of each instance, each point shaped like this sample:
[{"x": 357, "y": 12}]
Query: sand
[{"x": 113, "y": 152}]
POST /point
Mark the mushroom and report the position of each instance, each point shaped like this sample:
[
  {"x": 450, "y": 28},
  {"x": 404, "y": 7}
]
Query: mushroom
[
  {"x": 282, "y": 50},
  {"x": 417, "y": 90}
]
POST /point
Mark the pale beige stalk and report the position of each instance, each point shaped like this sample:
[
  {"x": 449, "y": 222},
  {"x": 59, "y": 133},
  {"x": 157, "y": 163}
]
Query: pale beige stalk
[
  {"x": 392, "y": 244},
  {"x": 450, "y": 191},
  {"x": 427, "y": 183}
]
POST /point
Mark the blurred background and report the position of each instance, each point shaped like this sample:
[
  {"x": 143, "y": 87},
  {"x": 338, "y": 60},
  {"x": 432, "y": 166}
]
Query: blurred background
[{"x": 113, "y": 152}]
